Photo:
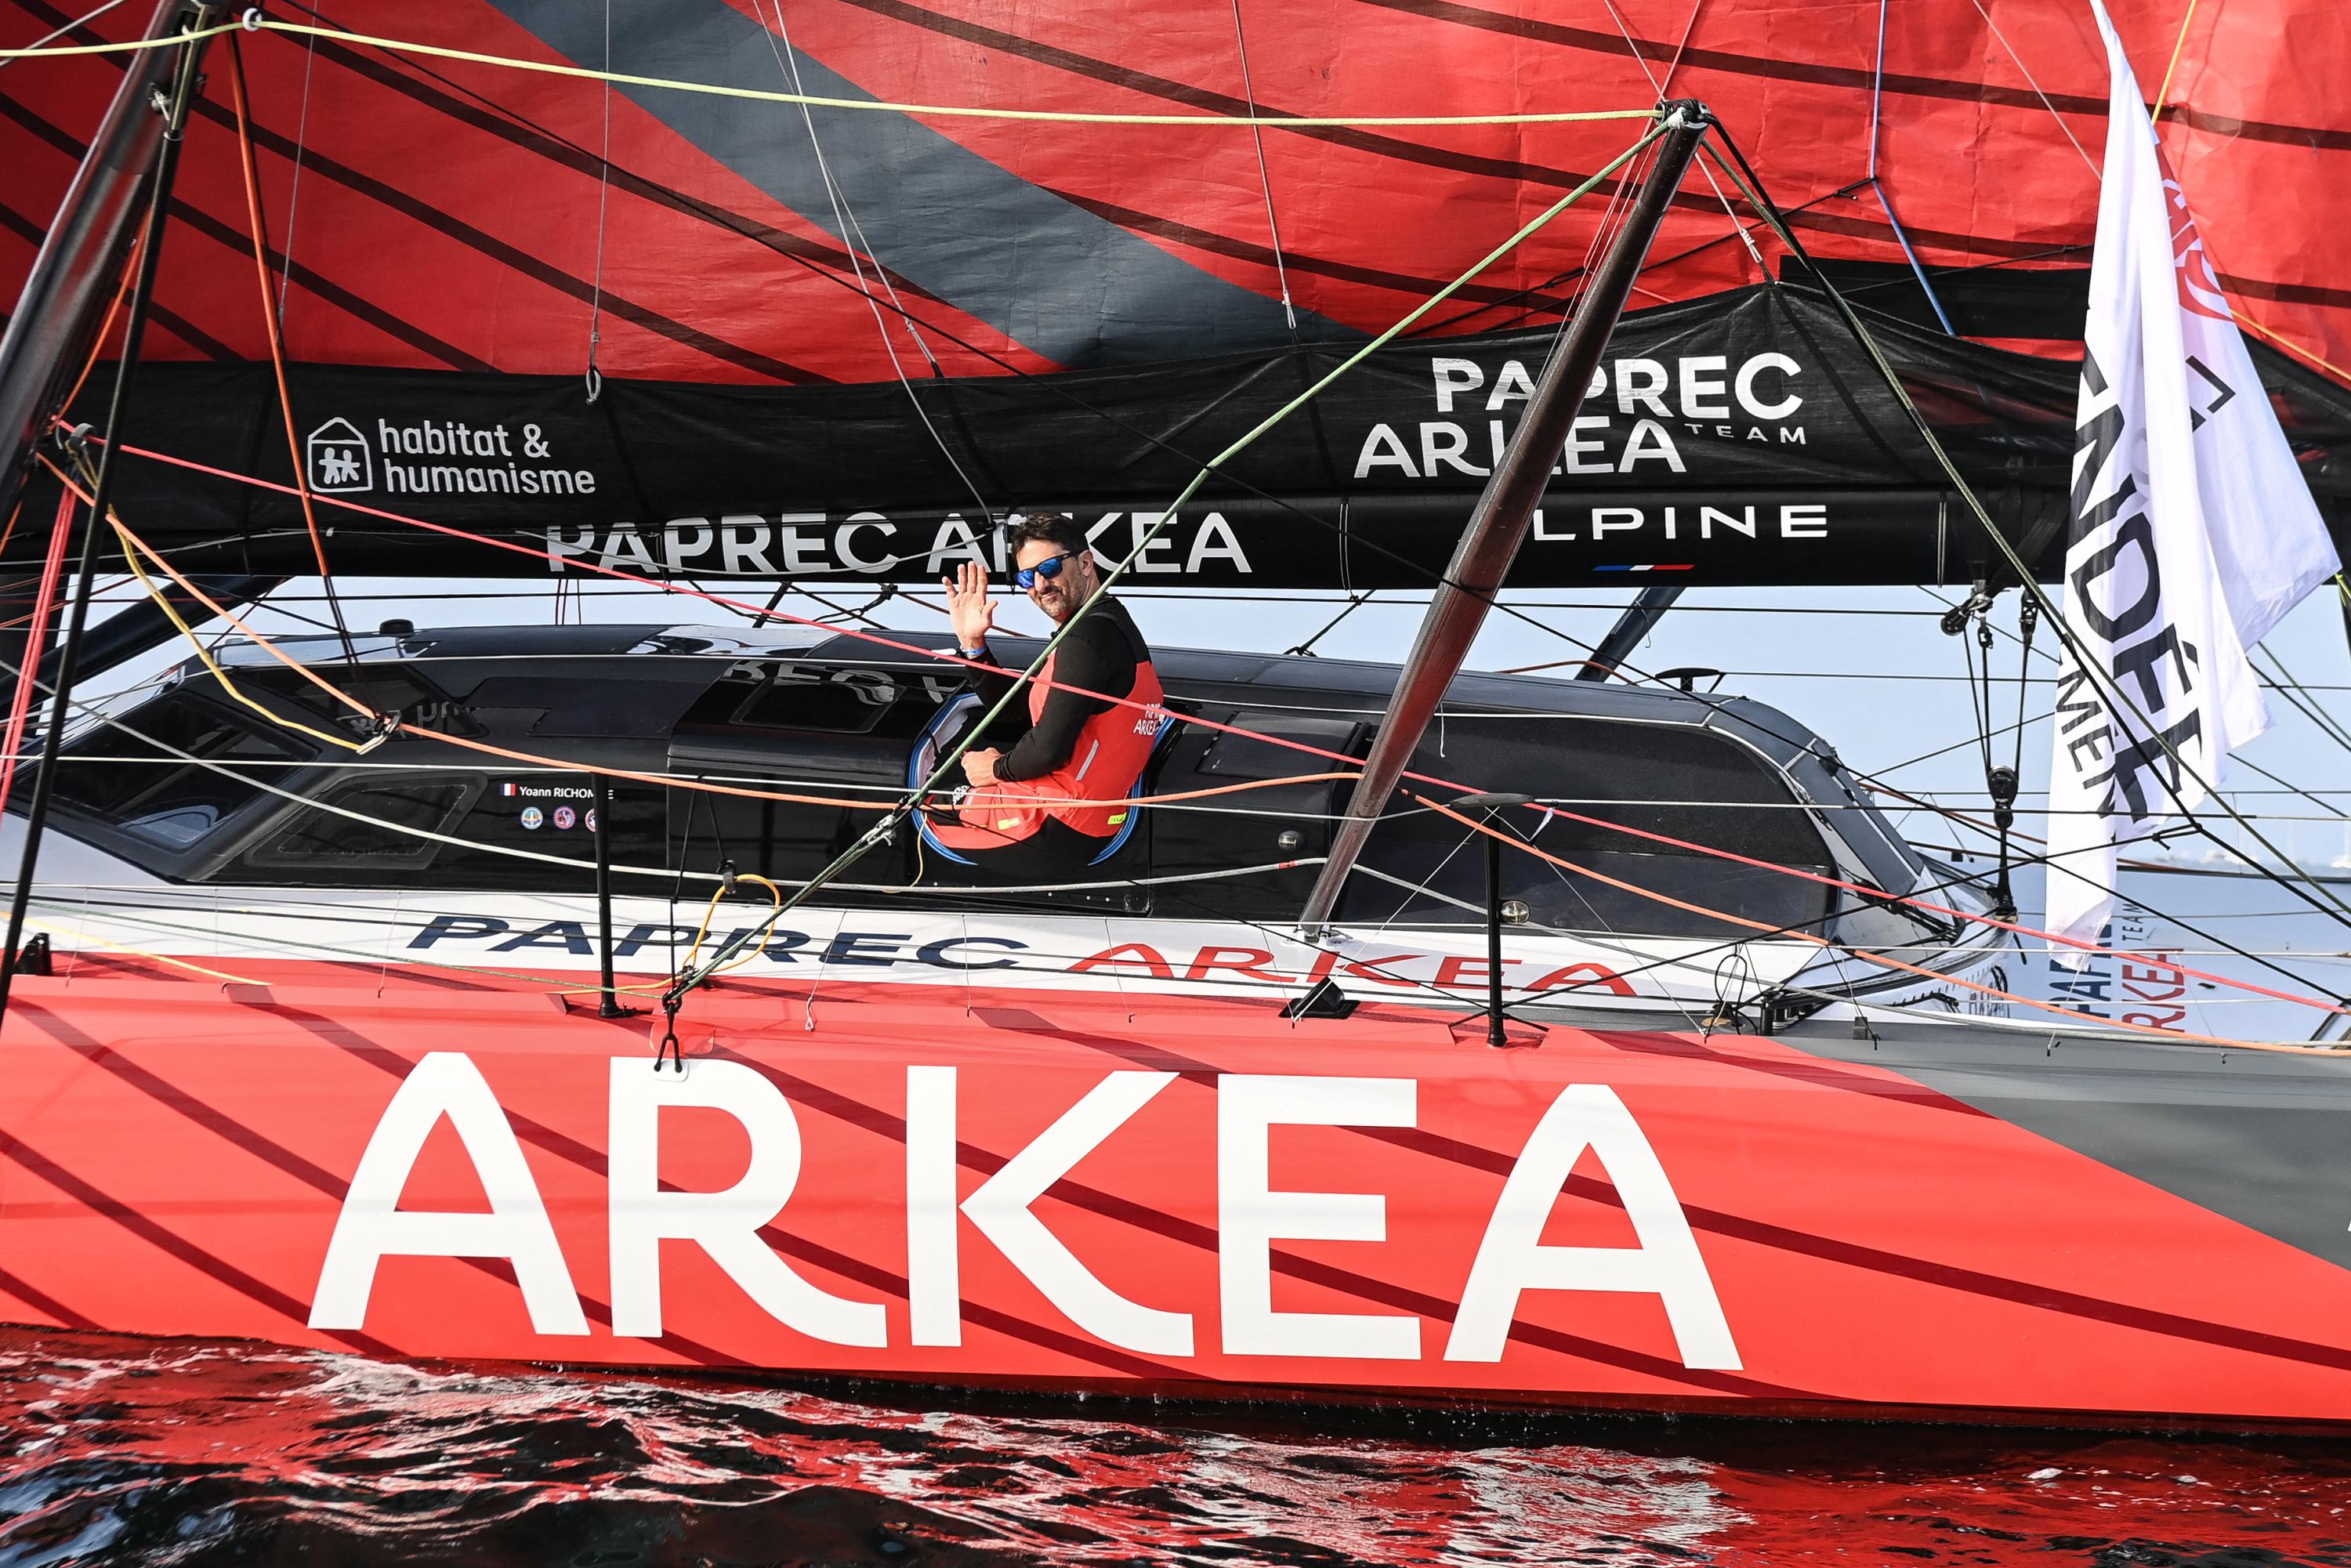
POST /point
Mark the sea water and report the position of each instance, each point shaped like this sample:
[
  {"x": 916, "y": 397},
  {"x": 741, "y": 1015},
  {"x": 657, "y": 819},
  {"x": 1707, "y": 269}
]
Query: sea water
[{"x": 201, "y": 1454}]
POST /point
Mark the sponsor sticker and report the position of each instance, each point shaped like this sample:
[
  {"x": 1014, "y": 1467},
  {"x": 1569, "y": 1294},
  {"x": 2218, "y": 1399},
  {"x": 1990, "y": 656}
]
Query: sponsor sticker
[{"x": 532, "y": 817}]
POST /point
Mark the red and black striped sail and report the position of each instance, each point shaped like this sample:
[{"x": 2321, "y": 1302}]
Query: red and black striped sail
[{"x": 802, "y": 316}]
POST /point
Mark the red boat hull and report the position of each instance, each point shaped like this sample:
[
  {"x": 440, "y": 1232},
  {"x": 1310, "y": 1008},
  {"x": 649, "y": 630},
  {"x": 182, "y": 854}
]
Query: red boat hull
[{"x": 1116, "y": 1192}]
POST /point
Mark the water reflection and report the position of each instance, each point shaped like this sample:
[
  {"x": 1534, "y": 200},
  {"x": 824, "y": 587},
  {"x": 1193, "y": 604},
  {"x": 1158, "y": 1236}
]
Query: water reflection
[{"x": 138, "y": 1452}]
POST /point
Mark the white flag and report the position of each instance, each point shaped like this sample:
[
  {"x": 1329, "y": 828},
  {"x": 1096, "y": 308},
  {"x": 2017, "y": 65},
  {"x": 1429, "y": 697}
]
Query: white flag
[{"x": 2193, "y": 532}]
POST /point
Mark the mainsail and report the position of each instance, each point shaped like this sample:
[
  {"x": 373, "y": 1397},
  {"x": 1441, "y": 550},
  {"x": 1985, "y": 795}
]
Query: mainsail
[{"x": 801, "y": 319}]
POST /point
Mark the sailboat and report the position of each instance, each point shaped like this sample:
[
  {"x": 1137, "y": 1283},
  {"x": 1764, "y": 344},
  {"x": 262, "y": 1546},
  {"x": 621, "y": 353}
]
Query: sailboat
[{"x": 600, "y": 993}]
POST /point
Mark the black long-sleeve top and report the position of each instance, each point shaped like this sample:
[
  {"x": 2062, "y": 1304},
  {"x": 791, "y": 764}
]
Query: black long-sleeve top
[{"x": 1101, "y": 655}]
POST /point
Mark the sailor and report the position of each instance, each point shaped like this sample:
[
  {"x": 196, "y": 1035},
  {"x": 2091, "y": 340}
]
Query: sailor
[{"x": 1049, "y": 803}]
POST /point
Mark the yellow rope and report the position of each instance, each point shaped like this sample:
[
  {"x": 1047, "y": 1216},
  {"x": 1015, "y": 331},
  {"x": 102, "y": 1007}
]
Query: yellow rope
[
  {"x": 131, "y": 547},
  {"x": 763, "y": 94},
  {"x": 2163, "y": 93},
  {"x": 48, "y": 925},
  {"x": 2290, "y": 346},
  {"x": 751, "y": 949}
]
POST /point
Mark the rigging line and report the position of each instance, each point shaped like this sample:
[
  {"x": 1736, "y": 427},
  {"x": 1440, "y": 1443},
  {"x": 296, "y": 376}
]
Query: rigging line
[
  {"x": 392, "y": 724},
  {"x": 2027, "y": 621},
  {"x": 1688, "y": 29},
  {"x": 1878, "y": 187},
  {"x": 1357, "y": 357},
  {"x": 173, "y": 614},
  {"x": 1979, "y": 694},
  {"x": 1658, "y": 86},
  {"x": 2299, "y": 695},
  {"x": 274, "y": 608},
  {"x": 141, "y": 953},
  {"x": 1264, "y": 180},
  {"x": 1658, "y": 126},
  {"x": 2087, "y": 161},
  {"x": 1442, "y": 328},
  {"x": 1939, "y": 752},
  {"x": 925, "y": 652},
  {"x": 666, "y": 873},
  {"x": 106, "y": 329},
  {"x": 251, "y": 170},
  {"x": 1586, "y": 940},
  {"x": 716, "y": 90},
  {"x": 1374, "y": 969},
  {"x": 1877, "y": 92},
  {"x": 12, "y": 55},
  {"x": 1298, "y": 745},
  {"x": 854, "y": 240},
  {"x": 1354, "y": 602},
  {"x": 2117, "y": 700},
  {"x": 759, "y": 617},
  {"x": 1870, "y": 894},
  {"x": 2299, "y": 702},
  {"x": 294, "y": 194},
  {"x": 2289, "y": 345},
  {"x": 1866, "y": 956},
  {"x": 1594, "y": 910},
  {"x": 595, "y": 377},
  {"x": 1054, "y": 386},
  {"x": 36, "y": 644},
  {"x": 1958, "y": 879},
  {"x": 94, "y": 711},
  {"x": 2163, "y": 93}
]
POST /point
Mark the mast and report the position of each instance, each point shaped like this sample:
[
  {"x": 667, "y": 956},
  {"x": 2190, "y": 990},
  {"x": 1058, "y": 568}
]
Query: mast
[
  {"x": 81, "y": 259},
  {"x": 1498, "y": 524}
]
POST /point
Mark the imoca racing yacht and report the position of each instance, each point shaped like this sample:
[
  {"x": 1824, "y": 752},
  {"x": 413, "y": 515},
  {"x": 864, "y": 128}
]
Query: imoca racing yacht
[
  {"x": 325, "y": 1062},
  {"x": 463, "y": 993}
]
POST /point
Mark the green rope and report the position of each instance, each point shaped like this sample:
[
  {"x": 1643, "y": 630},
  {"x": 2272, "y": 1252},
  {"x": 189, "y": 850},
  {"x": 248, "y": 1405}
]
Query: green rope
[{"x": 760, "y": 95}]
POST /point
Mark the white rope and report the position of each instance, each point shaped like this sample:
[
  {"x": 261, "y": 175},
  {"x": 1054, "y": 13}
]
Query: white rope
[
  {"x": 1264, "y": 180},
  {"x": 1746, "y": 235},
  {"x": 853, "y": 241},
  {"x": 52, "y": 37},
  {"x": 2087, "y": 161},
  {"x": 294, "y": 196},
  {"x": 595, "y": 377}
]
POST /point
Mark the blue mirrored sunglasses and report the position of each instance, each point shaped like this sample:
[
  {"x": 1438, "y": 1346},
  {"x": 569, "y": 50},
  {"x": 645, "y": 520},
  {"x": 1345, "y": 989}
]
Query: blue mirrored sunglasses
[{"x": 1045, "y": 570}]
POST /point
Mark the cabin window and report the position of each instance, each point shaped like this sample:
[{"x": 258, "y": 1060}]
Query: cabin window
[
  {"x": 363, "y": 828},
  {"x": 136, "y": 775},
  {"x": 803, "y": 697},
  {"x": 550, "y": 814},
  {"x": 1678, "y": 781},
  {"x": 376, "y": 832}
]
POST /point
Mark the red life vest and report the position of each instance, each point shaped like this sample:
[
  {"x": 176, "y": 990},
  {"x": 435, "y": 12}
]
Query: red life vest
[
  {"x": 1109, "y": 757},
  {"x": 1106, "y": 764}
]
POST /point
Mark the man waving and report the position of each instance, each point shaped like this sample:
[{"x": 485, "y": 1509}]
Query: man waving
[{"x": 1043, "y": 805}]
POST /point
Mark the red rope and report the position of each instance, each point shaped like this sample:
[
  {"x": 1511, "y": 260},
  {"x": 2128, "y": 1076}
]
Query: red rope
[
  {"x": 1938, "y": 975},
  {"x": 1871, "y": 893},
  {"x": 269, "y": 311},
  {"x": 36, "y": 637}
]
